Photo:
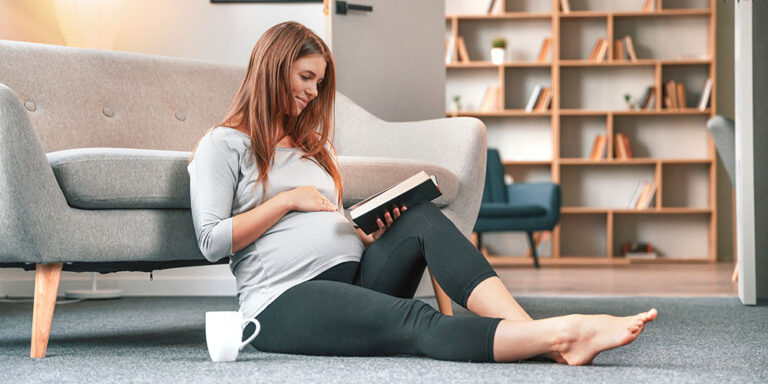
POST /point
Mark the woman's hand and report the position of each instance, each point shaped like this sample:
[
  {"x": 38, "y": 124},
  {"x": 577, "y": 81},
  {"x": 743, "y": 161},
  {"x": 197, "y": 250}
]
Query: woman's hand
[
  {"x": 389, "y": 219},
  {"x": 307, "y": 199}
]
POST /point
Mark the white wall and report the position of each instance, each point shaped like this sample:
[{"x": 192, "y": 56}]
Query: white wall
[{"x": 184, "y": 28}]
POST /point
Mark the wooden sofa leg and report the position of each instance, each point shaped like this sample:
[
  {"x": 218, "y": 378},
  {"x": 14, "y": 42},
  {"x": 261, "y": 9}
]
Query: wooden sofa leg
[
  {"x": 443, "y": 301},
  {"x": 47, "y": 278}
]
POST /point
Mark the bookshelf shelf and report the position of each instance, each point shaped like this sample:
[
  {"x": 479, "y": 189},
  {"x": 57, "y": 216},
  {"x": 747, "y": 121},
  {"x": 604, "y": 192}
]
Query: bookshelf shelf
[
  {"x": 606, "y": 14},
  {"x": 488, "y": 64},
  {"x": 506, "y": 15},
  {"x": 635, "y": 112},
  {"x": 671, "y": 146},
  {"x": 526, "y": 162},
  {"x": 657, "y": 211},
  {"x": 500, "y": 113}
]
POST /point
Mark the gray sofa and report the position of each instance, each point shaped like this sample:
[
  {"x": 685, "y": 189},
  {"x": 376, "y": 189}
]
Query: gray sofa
[{"x": 93, "y": 153}]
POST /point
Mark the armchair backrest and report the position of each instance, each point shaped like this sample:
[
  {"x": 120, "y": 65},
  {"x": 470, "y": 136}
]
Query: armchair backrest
[{"x": 495, "y": 191}]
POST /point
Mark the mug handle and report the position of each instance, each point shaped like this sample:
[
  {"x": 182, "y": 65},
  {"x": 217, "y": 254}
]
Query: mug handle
[{"x": 255, "y": 333}]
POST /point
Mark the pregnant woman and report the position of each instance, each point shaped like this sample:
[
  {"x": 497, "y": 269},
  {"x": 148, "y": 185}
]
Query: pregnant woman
[{"x": 266, "y": 192}]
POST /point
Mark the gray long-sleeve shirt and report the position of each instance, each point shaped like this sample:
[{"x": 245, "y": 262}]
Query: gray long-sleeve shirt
[{"x": 297, "y": 248}]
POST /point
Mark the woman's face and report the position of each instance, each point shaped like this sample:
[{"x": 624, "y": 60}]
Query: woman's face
[{"x": 306, "y": 74}]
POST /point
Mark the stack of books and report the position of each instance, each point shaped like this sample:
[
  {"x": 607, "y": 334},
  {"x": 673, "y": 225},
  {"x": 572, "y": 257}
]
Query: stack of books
[{"x": 638, "y": 250}]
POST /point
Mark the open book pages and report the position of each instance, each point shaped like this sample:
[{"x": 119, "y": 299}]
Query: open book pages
[{"x": 417, "y": 188}]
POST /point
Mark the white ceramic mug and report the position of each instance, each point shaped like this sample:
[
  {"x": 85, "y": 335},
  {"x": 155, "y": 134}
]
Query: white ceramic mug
[{"x": 224, "y": 334}]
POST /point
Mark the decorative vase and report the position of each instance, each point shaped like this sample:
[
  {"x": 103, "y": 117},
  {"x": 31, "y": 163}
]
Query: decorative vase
[
  {"x": 455, "y": 106},
  {"x": 497, "y": 56}
]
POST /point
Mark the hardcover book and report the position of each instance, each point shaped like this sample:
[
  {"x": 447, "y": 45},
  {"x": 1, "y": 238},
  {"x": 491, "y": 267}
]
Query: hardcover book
[{"x": 415, "y": 189}]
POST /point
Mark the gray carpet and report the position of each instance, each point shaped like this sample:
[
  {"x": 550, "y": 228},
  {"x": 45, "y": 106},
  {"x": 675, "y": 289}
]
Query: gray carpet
[{"x": 163, "y": 340}]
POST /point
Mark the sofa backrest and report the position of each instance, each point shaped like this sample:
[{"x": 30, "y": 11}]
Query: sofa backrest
[{"x": 85, "y": 98}]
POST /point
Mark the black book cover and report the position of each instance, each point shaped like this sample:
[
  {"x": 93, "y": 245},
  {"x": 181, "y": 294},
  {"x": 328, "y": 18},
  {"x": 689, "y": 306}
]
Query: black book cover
[{"x": 425, "y": 191}]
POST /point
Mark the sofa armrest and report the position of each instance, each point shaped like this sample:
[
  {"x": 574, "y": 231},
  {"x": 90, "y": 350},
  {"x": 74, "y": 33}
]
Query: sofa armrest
[
  {"x": 32, "y": 205},
  {"x": 457, "y": 144}
]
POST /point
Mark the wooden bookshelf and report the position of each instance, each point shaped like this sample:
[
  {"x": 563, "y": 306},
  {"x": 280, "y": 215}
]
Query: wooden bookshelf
[{"x": 672, "y": 145}]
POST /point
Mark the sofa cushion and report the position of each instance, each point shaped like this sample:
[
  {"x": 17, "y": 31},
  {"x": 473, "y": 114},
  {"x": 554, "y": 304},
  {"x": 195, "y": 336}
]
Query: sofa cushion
[
  {"x": 112, "y": 178},
  {"x": 125, "y": 178}
]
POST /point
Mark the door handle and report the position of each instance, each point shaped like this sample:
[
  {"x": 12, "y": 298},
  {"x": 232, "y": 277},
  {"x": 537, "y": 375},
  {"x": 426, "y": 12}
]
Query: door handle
[{"x": 342, "y": 7}]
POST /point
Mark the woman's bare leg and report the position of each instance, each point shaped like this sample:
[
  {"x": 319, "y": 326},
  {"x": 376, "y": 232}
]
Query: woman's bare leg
[
  {"x": 578, "y": 338},
  {"x": 491, "y": 298}
]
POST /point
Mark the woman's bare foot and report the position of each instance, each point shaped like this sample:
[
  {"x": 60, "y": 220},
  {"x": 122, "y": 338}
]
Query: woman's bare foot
[{"x": 585, "y": 336}]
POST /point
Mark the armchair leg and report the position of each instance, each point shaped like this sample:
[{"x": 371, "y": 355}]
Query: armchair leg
[
  {"x": 47, "y": 278},
  {"x": 532, "y": 244},
  {"x": 443, "y": 301}
]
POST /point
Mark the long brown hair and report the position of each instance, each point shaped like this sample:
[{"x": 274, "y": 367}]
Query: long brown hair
[{"x": 265, "y": 101}]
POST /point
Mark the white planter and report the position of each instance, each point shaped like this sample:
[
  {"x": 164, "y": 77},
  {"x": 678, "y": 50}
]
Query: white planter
[{"x": 497, "y": 56}]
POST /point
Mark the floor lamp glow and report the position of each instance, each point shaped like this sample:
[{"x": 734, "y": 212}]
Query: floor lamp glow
[{"x": 89, "y": 24}]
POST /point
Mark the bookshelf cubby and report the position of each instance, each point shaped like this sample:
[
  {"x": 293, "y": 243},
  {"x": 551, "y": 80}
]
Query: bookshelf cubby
[{"x": 670, "y": 146}]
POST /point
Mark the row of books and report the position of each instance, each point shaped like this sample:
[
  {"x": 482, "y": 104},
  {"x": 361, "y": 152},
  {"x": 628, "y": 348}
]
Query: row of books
[
  {"x": 540, "y": 99},
  {"x": 456, "y": 49},
  {"x": 648, "y": 5},
  {"x": 643, "y": 195},
  {"x": 623, "y": 49},
  {"x": 674, "y": 95},
  {"x": 491, "y": 99},
  {"x": 622, "y": 150}
]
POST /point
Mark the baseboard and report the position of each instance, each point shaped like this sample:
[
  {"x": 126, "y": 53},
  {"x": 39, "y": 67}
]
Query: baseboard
[{"x": 194, "y": 281}]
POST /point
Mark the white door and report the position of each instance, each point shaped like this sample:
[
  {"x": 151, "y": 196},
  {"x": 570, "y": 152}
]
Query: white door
[{"x": 390, "y": 60}]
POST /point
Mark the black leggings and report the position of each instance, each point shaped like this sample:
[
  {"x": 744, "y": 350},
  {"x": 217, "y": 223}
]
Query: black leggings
[{"x": 367, "y": 308}]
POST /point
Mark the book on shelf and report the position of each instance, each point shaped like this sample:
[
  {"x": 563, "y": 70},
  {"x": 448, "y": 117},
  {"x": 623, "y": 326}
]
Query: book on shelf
[
  {"x": 545, "y": 98},
  {"x": 491, "y": 99},
  {"x": 598, "y": 148},
  {"x": 534, "y": 98},
  {"x": 462, "y": 50},
  {"x": 681, "y": 96},
  {"x": 565, "y": 6},
  {"x": 641, "y": 255},
  {"x": 417, "y": 188},
  {"x": 450, "y": 50},
  {"x": 645, "y": 101},
  {"x": 618, "y": 49},
  {"x": 629, "y": 48},
  {"x": 621, "y": 146},
  {"x": 599, "y": 50},
  {"x": 706, "y": 95},
  {"x": 494, "y": 6},
  {"x": 546, "y": 48},
  {"x": 670, "y": 97},
  {"x": 649, "y": 5},
  {"x": 636, "y": 195},
  {"x": 646, "y": 196}
]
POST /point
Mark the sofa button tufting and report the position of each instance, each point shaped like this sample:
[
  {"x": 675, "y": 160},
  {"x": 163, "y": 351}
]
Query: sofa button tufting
[
  {"x": 180, "y": 116},
  {"x": 30, "y": 106},
  {"x": 107, "y": 111}
]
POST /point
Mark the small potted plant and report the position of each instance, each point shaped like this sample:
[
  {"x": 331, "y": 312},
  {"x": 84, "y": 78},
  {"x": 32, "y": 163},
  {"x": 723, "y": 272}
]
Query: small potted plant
[
  {"x": 498, "y": 50},
  {"x": 628, "y": 101},
  {"x": 456, "y": 104}
]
